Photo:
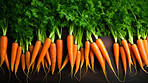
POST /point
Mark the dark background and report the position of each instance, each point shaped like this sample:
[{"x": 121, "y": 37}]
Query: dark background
[{"x": 96, "y": 77}]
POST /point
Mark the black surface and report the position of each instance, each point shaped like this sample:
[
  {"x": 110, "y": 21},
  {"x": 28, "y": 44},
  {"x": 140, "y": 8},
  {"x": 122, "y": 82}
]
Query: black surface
[{"x": 90, "y": 77}]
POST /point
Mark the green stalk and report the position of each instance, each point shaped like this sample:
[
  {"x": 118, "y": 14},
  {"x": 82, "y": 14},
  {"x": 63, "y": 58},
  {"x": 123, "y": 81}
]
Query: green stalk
[
  {"x": 59, "y": 33},
  {"x": 130, "y": 35},
  {"x": 114, "y": 33},
  {"x": 52, "y": 38},
  {"x": 71, "y": 29},
  {"x": 39, "y": 34},
  {"x": 94, "y": 33},
  {"x": 27, "y": 45}
]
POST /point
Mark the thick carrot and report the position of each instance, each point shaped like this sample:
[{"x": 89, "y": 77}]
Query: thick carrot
[
  {"x": 23, "y": 61},
  {"x": 82, "y": 57},
  {"x": 123, "y": 57},
  {"x": 44, "y": 50},
  {"x": 35, "y": 52},
  {"x": 87, "y": 49},
  {"x": 145, "y": 42},
  {"x": 18, "y": 55},
  {"x": 142, "y": 51},
  {"x": 3, "y": 47},
  {"x": 70, "y": 40},
  {"x": 13, "y": 54},
  {"x": 127, "y": 50},
  {"x": 75, "y": 48},
  {"x": 53, "y": 56},
  {"x": 92, "y": 59},
  {"x": 78, "y": 59},
  {"x": 99, "y": 56},
  {"x": 64, "y": 63},
  {"x": 116, "y": 54},
  {"x": 138, "y": 57},
  {"x": 28, "y": 59},
  {"x": 59, "y": 44},
  {"x": 48, "y": 58}
]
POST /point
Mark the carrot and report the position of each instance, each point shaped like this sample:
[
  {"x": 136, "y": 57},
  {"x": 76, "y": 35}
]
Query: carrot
[
  {"x": 23, "y": 62},
  {"x": 138, "y": 57},
  {"x": 82, "y": 57},
  {"x": 123, "y": 57},
  {"x": 127, "y": 50},
  {"x": 92, "y": 59},
  {"x": 116, "y": 54},
  {"x": 64, "y": 63},
  {"x": 13, "y": 54},
  {"x": 75, "y": 48},
  {"x": 99, "y": 56},
  {"x": 70, "y": 40},
  {"x": 3, "y": 46},
  {"x": 87, "y": 49},
  {"x": 28, "y": 59},
  {"x": 48, "y": 58},
  {"x": 35, "y": 52},
  {"x": 44, "y": 50},
  {"x": 38, "y": 67},
  {"x": 78, "y": 59},
  {"x": 142, "y": 51},
  {"x": 31, "y": 49},
  {"x": 145, "y": 42},
  {"x": 53, "y": 56},
  {"x": 7, "y": 64},
  {"x": 59, "y": 44},
  {"x": 45, "y": 62},
  {"x": 104, "y": 52},
  {"x": 18, "y": 55}
]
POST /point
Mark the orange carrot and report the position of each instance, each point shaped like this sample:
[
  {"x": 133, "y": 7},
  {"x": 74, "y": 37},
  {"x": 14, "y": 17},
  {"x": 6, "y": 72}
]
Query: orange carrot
[
  {"x": 92, "y": 59},
  {"x": 75, "y": 48},
  {"x": 13, "y": 54},
  {"x": 99, "y": 56},
  {"x": 78, "y": 59},
  {"x": 28, "y": 59},
  {"x": 53, "y": 56},
  {"x": 59, "y": 44},
  {"x": 3, "y": 47},
  {"x": 38, "y": 67},
  {"x": 138, "y": 57},
  {"x": 70, "y": 40},
  {"x": 145, "y": 42},
  {"x": 44, "y": 50},
  {"x": 7, "y": 64},
  {"x": 31, "y": 49},
  {"x": 87, "y": 49},
  {"x": 82, "y": 57},
  {"x": 23, "y": 61},
  {"x": 18, "y": 55},
  {"x": 142, "y": 51},
  {"x": 64, "y": 63},
  {"x": 123, "y": 57},
  {"x": 127, "y": 50},
  {"x": 116, "y": 54},
  {"x": 48, "y": 58},
  {"x": 35, "y": 52},
  {"x": 45, "y": 62}
]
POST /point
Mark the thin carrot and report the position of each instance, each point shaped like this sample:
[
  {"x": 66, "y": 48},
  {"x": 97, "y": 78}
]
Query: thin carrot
[
  {"x": 142, "y": 51},
  {"x": 87, "y": 49},
  {"x": 116, "y": 54},
  {"x": 64, "y": 63},
  {"x": 38, "y": 67},
  {"x": 7, "y": 64},
  {"x": 127, "y": 50},
  {"x": 138, "y": 57},
  {"x": 13, "y": 54},
  {"x": 45, "y": 62},
  {"x": 28, "y": 59},
  {"x": 31, "y": 49},
  {"x": 48, "y": 58},
  {"x": 75, "y": 48},
  {"x": 23, "y": 61},
  {"x": 44, "y": 50},
  {"x": 3, "y": 46},
  {"x": 99, "y": 56},
  {"x": 92, "y": 59},
  {"x": 59, "y": 44},
  {"x": 18, "y": 55},
  {"x": 123, "y": 57},
  {"x": 35, "y": 52},
  {"x": 78, "y": 59},
  {"x": 82, "y": 57},
  {"x": 70, "y": 40},
  {"x": 53, "y": 56}
]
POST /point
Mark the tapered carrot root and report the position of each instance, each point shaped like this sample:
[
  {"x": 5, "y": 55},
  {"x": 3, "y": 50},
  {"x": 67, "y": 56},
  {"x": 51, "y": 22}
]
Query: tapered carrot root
[
  {"x": 142, "y": 51},
  {"x": 138, "y": 57},
  {"x": 145, "y": 42},
  {"x": 23, "y": 61},
  {"x": 18, "y": 55},
  {"x": 3, "y": 47},
  {"x": 87, "y": 49},
  {"x": 82, "y": 60},
  {"x": 116, "y": 55},
  {"x": 70, "y": 40},
  {"x": 127, "y": 50},
  {"x": 13, "y": 54},
  {"x": 92, "y": 59},
  {"x": 75, "y": 48},
  {"x": 48, "y": 58},
  {"x": 78, "y": 59},
  {"x": 7, "y": 64},
  {"x": 124, "y": 62},
  {"x": 53, "y": 56}
]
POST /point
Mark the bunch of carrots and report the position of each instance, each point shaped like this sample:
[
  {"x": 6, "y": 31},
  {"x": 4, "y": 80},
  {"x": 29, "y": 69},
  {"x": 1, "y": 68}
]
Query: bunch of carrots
[{"x": 29, "y": 22}]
